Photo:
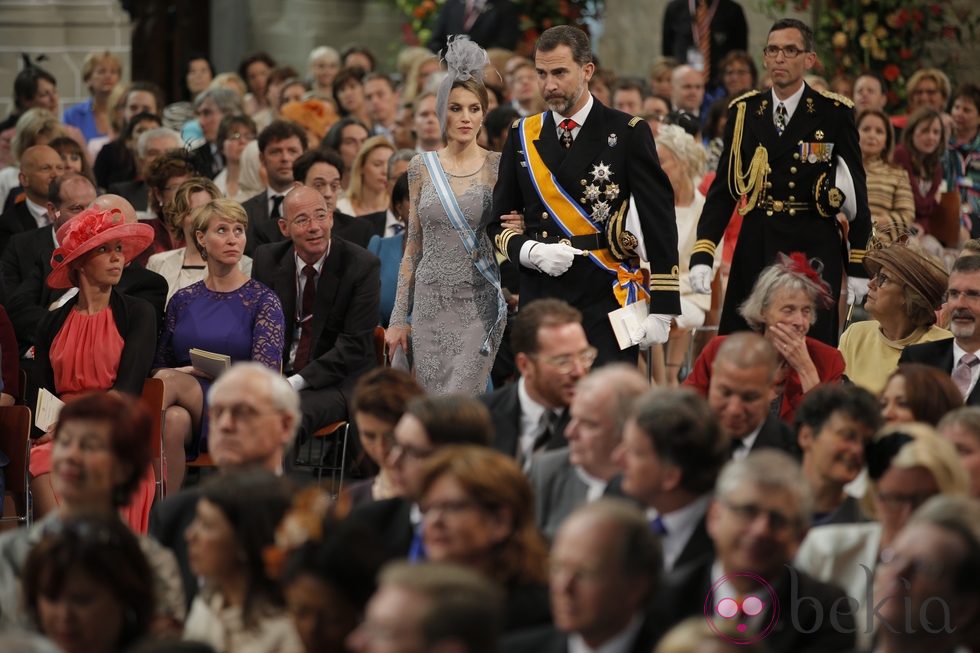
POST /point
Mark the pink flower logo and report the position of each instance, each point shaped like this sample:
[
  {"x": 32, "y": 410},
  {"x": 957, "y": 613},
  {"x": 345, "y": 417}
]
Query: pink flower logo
[{"x": 739, "y": 617}]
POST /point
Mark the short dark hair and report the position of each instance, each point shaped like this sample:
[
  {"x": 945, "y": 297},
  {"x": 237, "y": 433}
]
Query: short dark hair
[
  {"x": 793, "y": 23},
  {"x": 230, "y": 121},
  {"x": 302, "y": 165},
  {"x": 333, "y": 137},
  {"x": 536, "y": 315},
  {"x": 152, "y": 89},
  {"x": 684, "y": 432},
  {"x": 26, "y": 82},
  {"x": 280, "y": 130},
  {"x": 969, "y": 91},
  {"x": 852, "y": 401},
  {"x": 358, "y": 49},
  {"x": 129, "y": 424},
  {"x": 399, "y": 192},
  {"x": 264, "y": 57},
  {"x": 101, "y": 546},
  {"x": 384, "y": 393},
  {"x": 137, "y": 119},
  {"x": 631, "y": 84},
  {"x": 966, "y": 264},
  {"x": 873, "y": 74},
  {"x": 498, "y": 119},
  {"x": 572, "y": 37},
  {"x": 170, "y": 164},
  {"x": 452, "y": 419},
  {"x": 381, "y": 76}
]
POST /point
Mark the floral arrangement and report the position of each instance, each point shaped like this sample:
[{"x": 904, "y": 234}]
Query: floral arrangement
[
  {"x": 535, "y": 17},
  {"x": 891, "y": 37}
]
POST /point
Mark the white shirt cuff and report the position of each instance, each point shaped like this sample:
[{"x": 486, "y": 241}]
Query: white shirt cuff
[
  {"x": 525, "y": 257},
  {"x": 298, "y": 382}
]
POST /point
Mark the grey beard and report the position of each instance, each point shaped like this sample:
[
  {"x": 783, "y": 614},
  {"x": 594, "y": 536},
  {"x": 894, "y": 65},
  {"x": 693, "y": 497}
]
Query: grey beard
[{"x": 564, "y": 109}]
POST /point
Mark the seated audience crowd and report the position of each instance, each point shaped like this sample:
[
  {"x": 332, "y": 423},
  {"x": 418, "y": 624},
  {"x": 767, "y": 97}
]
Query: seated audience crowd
[{"x": 226, "y": 456}]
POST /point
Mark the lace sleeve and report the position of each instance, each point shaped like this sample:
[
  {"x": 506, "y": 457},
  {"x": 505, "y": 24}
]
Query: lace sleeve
[
  {"x": 404, "y": 297},
  {"x": 268, "y": 331},
  {"x": 165, "y": 356}
]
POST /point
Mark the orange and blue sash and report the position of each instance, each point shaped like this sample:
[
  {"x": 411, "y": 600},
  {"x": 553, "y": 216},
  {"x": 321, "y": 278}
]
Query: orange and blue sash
[{"x": 628, "y": 284}]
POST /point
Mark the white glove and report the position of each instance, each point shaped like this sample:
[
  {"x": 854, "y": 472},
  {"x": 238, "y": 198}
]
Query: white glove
[
  {"x": 553, "y": 259},
  {"x": 857, "y": 289},
  {"x": 656, "y": 329},
  {"x": 700, "y": 279}
]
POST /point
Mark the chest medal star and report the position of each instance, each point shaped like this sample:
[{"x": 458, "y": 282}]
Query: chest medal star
[
  {"x": 592, "y": 192},
  {"x": 600, "y": 211},
  {"x": 612, "y": 191},
  {"x": 601, "y": 172}
]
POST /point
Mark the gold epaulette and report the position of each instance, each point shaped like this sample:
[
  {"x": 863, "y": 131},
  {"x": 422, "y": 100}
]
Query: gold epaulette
[
  {"x": 838, "y": 98},
  {"x": 704, "y": 245},
  {"x": 515, "y": 124},
  {"x": 634, "y": 120},
  {"x": 743, "y": 96},
  {"x": 503, "y": 239},
  {"x": 856, "y": 256}
]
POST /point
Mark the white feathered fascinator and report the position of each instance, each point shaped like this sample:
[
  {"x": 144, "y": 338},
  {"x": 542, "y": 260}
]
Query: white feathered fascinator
[{"x": 464, "y": 60}]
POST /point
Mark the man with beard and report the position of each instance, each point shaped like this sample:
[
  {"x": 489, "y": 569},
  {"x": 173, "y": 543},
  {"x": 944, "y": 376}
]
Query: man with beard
[
  {"x": 957, "y": 356},
  {"x": 576, "y": 172}
]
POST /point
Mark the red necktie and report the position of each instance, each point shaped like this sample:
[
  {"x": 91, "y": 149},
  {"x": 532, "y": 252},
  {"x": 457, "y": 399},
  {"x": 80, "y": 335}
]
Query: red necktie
[
  {"x": 566, "y": 126},
  {"x": 306, "y": 320},
  {"x": 703, "y": 21}
]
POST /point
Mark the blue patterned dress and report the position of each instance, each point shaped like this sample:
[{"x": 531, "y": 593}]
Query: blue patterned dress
[{"x": 246, "y": 324}]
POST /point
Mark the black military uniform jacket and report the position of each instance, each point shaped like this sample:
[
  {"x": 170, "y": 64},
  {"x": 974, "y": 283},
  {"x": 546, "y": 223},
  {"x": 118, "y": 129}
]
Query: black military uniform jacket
[
  {"x": 796, "y": 200},
  {"x": 612, "y": 157}
]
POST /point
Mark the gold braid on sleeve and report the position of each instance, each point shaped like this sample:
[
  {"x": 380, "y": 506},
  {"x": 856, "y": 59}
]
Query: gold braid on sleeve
[{"x": 751, "y": 182}]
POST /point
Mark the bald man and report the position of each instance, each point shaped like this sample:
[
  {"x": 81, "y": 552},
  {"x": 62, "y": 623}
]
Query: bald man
[
  {"x": 686, "y": 89},
  {"x": 33, "y": 298},
  {"x": 39, "y": 166},
  {"x": 330, "y": 290}
]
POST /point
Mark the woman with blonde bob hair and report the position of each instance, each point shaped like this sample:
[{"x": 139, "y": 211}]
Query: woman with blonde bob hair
[
  {"x": 100, "y": 72},
  {"x": 477, "y": 512},
  {"x": 368, "y": 190},
  {"x": 907, "y": 464},
  {"x": 225, "y": 313}
]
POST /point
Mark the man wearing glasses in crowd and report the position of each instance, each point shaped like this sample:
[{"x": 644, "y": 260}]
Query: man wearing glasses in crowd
[{"x": 790, "y": 164}]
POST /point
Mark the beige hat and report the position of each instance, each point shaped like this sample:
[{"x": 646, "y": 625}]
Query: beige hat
[{"x": 917, "y": 270}]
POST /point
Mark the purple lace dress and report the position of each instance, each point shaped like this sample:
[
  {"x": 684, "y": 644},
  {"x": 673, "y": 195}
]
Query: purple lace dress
[{"x": 246, "y": 324}]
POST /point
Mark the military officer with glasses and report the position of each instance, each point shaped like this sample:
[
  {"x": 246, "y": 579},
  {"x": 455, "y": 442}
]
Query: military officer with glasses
[
  {"x": 958, "y": 356},
  {"x": 791, "y": 165}
]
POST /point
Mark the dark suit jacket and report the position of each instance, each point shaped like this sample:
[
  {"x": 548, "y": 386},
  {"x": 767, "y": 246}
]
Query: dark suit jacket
[
  {"x": 391, "y": 520},
  {"x": 353, "y": 230},
  {"x": 345, "y": 311},
  {"x": 205, "y": 161},
  {"x": 135, "y": 192},
  {"x": 495, "y": 27},
  {"x": 550, "y": 640},
  {"x": 169, "y": 520},
  {"x": 505, "y": 411},
  {"x": 938, "y": 354},
  {"x": 775, "y": 434},
  {"x": 699, "y": 546},
  {"x": 261, "y": 229},
  {"x": 625, "y": 146},
  {"x": 729, "y": 31},
  {"x": 15, "y": 220},
  {"x": 800, "y": 627},
  {"x": 22, "y": 254}
]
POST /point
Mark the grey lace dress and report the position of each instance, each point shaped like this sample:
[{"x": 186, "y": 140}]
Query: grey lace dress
[{"x": 452, "y": 306}]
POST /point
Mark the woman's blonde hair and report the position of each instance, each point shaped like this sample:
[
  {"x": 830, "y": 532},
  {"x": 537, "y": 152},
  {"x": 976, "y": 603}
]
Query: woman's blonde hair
[
  {"x": 93, "y": 59},
  {"x": 221, "y": 208},
  {"x": 32, "y": 124},
  {"x": 174, "y": 213},
  {"x": 355, "y": 191},
  {"x": 685, "y": 148}
]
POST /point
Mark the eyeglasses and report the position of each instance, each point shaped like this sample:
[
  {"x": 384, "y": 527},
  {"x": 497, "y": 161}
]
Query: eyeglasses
[
  {"x": 448, "y": 507},
  {"x": 566, "y": 363},
  {"x": 968, "y": 296},
  {"x": 238, "y": 412},
  {"x": 239, "y": 136},
  {"x": 911, "y": 566},
  {"x": 896, "y": 501},
  {"x": 749, "y": 512},
  {"x": 306, "y": 220},
  {"x": 879, "y": 279},
  {"x": 789, "y": 51}
]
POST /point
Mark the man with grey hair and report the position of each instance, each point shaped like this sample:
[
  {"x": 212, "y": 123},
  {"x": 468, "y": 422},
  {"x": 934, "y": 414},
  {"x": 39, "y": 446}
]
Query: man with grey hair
[
  {"x": 150, "y": 145},
  {"x": 671, "y": 454},
  {"x": 430, "y": 607},
  {"x": 563, "y": 479},
  {"x": 605, "y": 566},
  {"x": 253, "y": 413},
  {"x": 760, "y": 513}
]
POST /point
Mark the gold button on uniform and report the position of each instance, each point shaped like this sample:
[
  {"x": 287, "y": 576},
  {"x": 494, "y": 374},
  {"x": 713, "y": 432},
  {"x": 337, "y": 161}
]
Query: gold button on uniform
[
  {"x": 792, "y": 199},
  {"x": 792, "y": 184},
  {"x": 544, "y": 216},
  {"x": 792, "y": 170},
  {"x": 796, "y": 155},
  {"x": 544, "y": 234},
  {"x": 792, "y": 212}
]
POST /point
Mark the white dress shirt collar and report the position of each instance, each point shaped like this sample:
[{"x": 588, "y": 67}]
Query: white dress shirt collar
[
  {"x": 747, "y": 442},
  {"x": 790, "y": 103},
  {"x": 38, "y": 212},
  {"x": 579, "y": 116},
  {"x": 680, "y": 525},
  {"x": 596, "y": 486},
  {"x": 531, "y": 412}
]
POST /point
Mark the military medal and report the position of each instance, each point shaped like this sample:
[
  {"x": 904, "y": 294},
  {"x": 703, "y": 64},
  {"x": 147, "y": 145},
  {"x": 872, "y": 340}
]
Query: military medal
[
  {"x": 612, "y": 191},
  {"x": 612, "y": 140},
  {"x": 762, "y": 108},
  {"x": 818, "y": 135},
  {"x": 600, "y": 211},
  {"x": 601, "y": 172},
  {"x": 592, "y": 192},
  {"x": 809, "y": 105}
]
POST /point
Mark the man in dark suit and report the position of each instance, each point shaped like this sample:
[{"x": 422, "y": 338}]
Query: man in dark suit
[
  {"x": 790, "y": 164},
  {"x": 449, "y": 420},
  {"x": 957, "y": 356},
  {"x": 551, "y": 354},
  {"x": 727, "y": 31},
  {"x": 68, "y": 196},
  {"x": 150, "y": 146},
  {"x": 490, "y": 23},
  {"x": 39, "y": 166},
  {"x": 741, "y": 392},
  {"x": 253, "y": 415},
  {"x": 576, "y": 172},
  {"x": 756, "y": 521},
  {"x": 671, "y": 454},
  {"x": 566, "y": 478},
  {"x": 320, "y": 169},
  {"x": 605, "y": 566},
  {"x": 33, "y": 298},
  {"x": 329, "y": 291},
  {"x": 280, "y": 144}
]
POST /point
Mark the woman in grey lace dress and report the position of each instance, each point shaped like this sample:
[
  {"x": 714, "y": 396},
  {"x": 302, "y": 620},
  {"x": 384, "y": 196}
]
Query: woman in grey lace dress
[{"x": 449, "y": 281}]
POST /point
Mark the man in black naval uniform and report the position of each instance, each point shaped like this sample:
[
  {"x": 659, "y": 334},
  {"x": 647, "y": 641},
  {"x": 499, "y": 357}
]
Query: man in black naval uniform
[
  {"x": 573, "y": 171},
  {"x": 791, "y": 163}
]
